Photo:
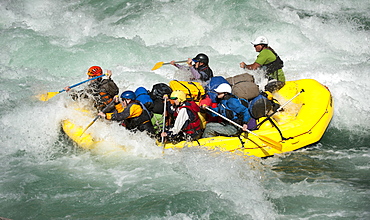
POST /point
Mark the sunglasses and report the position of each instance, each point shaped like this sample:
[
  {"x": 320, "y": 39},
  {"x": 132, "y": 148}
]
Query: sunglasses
[{"x": 173, "y": 98}]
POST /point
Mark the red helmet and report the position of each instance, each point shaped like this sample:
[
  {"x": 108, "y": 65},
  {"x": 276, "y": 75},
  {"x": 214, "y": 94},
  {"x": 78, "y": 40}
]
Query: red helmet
[{"x": 95, "y": 71}]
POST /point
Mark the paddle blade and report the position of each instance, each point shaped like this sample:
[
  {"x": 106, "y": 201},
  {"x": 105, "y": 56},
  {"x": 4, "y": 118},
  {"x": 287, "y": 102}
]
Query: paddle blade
[
  {"x": 47, "y": 96},
  {"x": 158, "y": 65},
  {"x": 270, "y": 142}
]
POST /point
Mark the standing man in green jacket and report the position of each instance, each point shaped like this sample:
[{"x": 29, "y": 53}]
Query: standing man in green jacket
[{"x": 270, "y": 62}]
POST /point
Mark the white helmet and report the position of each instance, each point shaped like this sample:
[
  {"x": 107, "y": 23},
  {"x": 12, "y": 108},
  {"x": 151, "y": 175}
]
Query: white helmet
[
  {"x": 260, "y": 40},
  {"x": 223, "y": 87}
]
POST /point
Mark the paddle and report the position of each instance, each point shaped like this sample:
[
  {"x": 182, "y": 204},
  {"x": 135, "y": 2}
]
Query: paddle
[
  {"x": 160, "y": 64},
  {"x": 164, "y": 118},
  {"x": 286, "y": 103},
  {"x": 49, "y": 95},
  {"x": 264, "y": 139},
  {"x": 281, "y": 107},
  {"x": 96, "y": 118}
]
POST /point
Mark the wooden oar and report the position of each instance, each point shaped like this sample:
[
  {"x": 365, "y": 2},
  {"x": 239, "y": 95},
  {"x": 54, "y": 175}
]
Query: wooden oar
[
  {"x": 264, "y": 139},
  {"x": 160, "y": 64},
  {"x": 96, "y": 118},
  {"x": 49, "y": 95}
]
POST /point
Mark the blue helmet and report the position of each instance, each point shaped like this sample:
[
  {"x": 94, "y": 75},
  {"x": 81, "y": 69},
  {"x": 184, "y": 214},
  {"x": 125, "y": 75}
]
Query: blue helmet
[{"x": 128, "y": 95}]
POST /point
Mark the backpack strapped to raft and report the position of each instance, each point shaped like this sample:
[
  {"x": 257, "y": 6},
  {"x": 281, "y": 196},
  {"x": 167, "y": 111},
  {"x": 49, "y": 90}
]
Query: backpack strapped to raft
[{"x": 243, "y": 86}]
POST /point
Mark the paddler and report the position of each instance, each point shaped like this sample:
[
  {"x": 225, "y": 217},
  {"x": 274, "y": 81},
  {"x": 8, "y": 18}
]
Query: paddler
[
  {"x": 101, "y": 90},
  {"x": 230, "y": 107},
  {"x": 187, "y": 122},
  {"x": 198, "y": 66},
  {"x": 131, "y": 113},
  {"x": 269, "y": 62}
]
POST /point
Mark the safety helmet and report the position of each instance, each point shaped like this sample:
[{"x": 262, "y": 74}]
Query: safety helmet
[
  {"x": 223, "y": 87},
  {"x": 95, "y": 71},
  {"x": 201, "y": 58},
  {"x": 128, "y": 95},
  {"x": 260, "y": 40},
  {"x": 178, "y": 94}
]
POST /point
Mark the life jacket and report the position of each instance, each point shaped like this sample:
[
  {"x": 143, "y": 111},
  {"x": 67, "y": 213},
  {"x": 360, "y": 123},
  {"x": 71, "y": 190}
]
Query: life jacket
[
  {"x": 132, "y": 123},
  {"x": 103, "y": 92},
  {"x": 207, "y": 71},
  {"x": 194, "y": 123},
  {"x": 273, "y": 67},
  {"x": 105, "y": 99}
]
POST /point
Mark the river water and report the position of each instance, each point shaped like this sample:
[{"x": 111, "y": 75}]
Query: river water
[{"x": 49, "y": 44}]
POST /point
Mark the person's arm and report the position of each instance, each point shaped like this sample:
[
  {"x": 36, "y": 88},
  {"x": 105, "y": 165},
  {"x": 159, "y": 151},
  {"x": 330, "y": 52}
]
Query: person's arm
[
  {"x": 252, "y": 66},
  {"x": 181, "y": 118},
  {"x": 195, "y": 73},
  {"x": 261, "y": 60},
  {"x": 181, "y": 67}
]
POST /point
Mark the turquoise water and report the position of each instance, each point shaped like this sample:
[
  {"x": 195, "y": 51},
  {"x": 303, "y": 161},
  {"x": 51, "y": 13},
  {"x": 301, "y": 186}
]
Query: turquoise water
[{"x": 46, "y": 45}]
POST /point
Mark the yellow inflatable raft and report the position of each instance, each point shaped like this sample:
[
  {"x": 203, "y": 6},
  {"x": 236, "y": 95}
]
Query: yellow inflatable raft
[
  {"x": 75, "y": 129},
  {"x": 303, "y": 121}
]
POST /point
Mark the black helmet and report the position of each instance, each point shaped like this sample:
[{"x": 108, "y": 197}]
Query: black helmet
[{"x": 201, "y": 58}]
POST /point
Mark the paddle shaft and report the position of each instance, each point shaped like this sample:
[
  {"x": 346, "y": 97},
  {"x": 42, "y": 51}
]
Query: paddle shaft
[
  {"x": 77, "y": 84},
  {"x": 282, "y": 106},
  {"x": 183, "y": 61},
  {"x": 96, "y": 118},
  {"x": 160, "y": 64},
  {"x": 266, "y": 140},
  {"x": 229, "y": 120},
  {"x": 164, "y": 118}
]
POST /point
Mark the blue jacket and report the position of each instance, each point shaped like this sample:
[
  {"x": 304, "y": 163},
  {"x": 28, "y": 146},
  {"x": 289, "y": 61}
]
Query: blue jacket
[{"x": 232, "y": 108}]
